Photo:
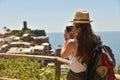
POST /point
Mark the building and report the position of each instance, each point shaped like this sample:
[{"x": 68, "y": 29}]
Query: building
[{"x": 25, "y": 41}]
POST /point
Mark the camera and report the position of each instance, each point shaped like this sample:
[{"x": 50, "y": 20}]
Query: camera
[{"x": 69, "y": 28}]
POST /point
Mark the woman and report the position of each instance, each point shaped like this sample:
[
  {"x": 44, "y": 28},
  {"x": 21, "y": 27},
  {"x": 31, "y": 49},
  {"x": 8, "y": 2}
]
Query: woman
[{"x": 80, "y": 46}]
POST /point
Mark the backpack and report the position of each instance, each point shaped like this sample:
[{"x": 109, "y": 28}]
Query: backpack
[{"x": 102, "y": 63}]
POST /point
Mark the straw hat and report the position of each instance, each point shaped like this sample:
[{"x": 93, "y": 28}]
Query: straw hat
[{"x": 82, "y": 17}]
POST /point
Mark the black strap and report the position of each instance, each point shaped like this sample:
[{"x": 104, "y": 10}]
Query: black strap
[
  {"x": 91, "y": 65},
  {"x": 95, "y": 53},
  {"x": 99, "y": 39}
]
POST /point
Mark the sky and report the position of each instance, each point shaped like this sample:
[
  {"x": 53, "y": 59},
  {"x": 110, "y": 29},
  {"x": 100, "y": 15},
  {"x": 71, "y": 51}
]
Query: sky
[{"x": 55, "y": 15}]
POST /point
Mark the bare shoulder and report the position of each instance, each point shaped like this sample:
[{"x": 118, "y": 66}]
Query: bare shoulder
[
  {"x": 68, "y": 48},
  {"x": 71, "y": 44}
]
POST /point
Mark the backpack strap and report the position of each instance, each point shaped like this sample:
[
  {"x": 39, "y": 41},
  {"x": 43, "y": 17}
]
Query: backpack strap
[
  {"x": 99, "y": 39},
  {"x": 92, "y": 63},
  {"x": 95, "y": 53}
]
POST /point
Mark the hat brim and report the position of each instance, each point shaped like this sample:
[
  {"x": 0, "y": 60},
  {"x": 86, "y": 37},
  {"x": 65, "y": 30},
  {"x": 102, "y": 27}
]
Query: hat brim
[{"x": 81, "y": 21}]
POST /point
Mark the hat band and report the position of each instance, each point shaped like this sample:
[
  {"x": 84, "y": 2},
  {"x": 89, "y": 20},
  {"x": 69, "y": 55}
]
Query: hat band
[{"x": 81, "y": 20}]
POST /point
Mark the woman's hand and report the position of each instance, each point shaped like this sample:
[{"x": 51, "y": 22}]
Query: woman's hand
[{"x": 66, "y": 35}]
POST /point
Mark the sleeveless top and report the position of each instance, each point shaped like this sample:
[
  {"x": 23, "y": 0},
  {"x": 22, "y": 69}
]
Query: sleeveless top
[{"x": 76, "y": 66}]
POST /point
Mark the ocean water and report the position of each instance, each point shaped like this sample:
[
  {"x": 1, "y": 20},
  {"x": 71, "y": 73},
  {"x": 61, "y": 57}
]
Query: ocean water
[{"x": 111, "y": 39}]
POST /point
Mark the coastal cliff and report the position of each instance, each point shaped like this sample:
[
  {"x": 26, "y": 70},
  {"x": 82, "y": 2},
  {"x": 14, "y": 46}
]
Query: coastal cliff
[{"x": 25, "y": 41}]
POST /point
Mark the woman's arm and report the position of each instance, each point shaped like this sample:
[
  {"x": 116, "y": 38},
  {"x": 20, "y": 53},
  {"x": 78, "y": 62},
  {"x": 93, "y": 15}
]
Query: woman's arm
[{"x": 68, "y": 46}]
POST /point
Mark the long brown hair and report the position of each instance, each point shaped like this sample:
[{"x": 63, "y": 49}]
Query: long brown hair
[{"x": 86, "y": 41}]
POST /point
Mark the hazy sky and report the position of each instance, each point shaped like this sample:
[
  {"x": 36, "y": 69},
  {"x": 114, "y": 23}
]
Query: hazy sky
[{"x": 55, "y": 15}]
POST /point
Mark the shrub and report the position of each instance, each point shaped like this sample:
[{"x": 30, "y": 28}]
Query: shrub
[
  {"x": 117, "y": 70},
  {"x": 24, "y": 69}
]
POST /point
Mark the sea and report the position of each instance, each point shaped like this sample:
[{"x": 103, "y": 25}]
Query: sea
[{"x": 111, "y": 39}]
